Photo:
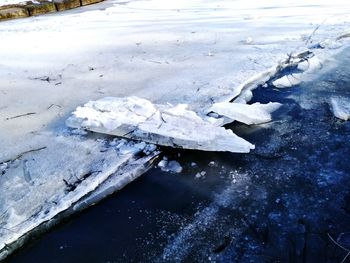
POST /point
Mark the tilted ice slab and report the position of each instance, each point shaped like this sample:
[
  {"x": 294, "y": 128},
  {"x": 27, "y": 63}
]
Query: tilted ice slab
[
  {"x": 246, "y": 113},
  {"x": 166, "y": 125},
  {"x": 71, "y": 173},
  {"x": 341, "y": 107}
]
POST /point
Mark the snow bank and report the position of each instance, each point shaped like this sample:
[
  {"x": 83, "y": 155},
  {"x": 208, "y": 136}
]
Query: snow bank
[
  {"x": 166, "y": 125},
  {"x": 341, "y": 107}
]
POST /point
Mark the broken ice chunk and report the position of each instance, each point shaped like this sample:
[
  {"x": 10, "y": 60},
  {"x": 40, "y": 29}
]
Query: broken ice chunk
[
  {"x": 170, "y": 166},
  {"x": 287, "y": 81},
  {"x": 330, "y": 44},
  {"x": 341, "y": 107},
  {"x": 166, "y": 125},
  {"x": 249, "y": 114}
]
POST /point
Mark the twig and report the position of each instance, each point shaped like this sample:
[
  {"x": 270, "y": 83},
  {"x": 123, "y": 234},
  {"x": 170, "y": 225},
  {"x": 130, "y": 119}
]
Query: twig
[
  {"x": 313, "y": 32},
  {"x": 59, "y": 106},
  {"x": 21, "y": 115},
  {"x": 343, "y": 36},
  {"x": 23, "y": 153}
]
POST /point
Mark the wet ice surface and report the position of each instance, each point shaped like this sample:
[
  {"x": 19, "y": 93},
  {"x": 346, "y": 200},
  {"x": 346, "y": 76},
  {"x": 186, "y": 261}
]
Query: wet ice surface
[{"x": 277, "y": 204}]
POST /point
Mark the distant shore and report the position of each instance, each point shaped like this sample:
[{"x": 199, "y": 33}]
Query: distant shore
[{"x": 30, "y": 8}]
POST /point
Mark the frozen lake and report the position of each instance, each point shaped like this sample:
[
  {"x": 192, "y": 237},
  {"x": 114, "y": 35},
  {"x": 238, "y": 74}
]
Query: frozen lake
[{"x": 279, "y": 204}]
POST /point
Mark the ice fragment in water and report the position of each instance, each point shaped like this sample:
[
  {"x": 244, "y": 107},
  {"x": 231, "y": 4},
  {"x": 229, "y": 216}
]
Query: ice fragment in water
[
  {"x": 249, "y": 114},
  {"x": 341, "y": 107},
  {"x": 170, "y": 166},
  {"x": 166, "y": 125}
]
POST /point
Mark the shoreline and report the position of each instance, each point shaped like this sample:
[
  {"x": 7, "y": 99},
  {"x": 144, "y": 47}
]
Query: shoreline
[{"x": 27, "y": 9}]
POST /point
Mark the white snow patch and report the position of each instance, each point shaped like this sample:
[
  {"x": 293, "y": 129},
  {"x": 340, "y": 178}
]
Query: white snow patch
[
  {"x": 341, "y": 107},
  {"x": 14, "y": 2}
]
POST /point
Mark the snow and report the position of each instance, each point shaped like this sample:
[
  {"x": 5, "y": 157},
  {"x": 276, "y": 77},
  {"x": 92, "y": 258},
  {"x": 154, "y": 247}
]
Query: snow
[
  {"x": 246, "y": 113},
  {"x": 167, "y": 125},
  {"x": 11, "y": 2},
  {"x": 340, "y": 107}
]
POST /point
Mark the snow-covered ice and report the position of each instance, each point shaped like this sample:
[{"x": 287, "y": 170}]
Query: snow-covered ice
[
  {"x": 166, "y": 125},
  {"x": 255, "y": 113},
  {"x": 142, "y": 48},
  {"x": 69, "y": 174},
  {"x": 341, "y": 107}
]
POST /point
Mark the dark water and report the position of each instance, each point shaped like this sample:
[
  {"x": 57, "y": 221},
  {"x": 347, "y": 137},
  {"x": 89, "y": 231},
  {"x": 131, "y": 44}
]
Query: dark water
[{"x": 282, "y": 203}]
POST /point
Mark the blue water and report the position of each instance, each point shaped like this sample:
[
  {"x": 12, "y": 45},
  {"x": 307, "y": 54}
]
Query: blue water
[{"x": 282, "y": 203}]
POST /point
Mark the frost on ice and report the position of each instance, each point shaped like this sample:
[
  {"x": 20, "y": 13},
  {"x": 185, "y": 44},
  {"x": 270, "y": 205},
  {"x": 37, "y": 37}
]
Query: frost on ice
[
  {"x": 166, "y": 125},
  {"x": 249, "y": 114},
  {"x": 341, "y": 107}
]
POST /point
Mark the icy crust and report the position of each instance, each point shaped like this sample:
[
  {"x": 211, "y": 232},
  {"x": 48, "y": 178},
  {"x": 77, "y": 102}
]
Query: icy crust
[
  {"x": 246, "y": 113},
  {"x": 166, "y": 125},
  {"x": 71, "y": 173},
  {"x": 341, "y": 107}
]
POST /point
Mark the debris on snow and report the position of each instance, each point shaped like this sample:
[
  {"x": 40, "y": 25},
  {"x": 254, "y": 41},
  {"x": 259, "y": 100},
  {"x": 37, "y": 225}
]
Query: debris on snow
[
  {"x": 166, "y": 125},
  {"x": 341, "y": 107}
]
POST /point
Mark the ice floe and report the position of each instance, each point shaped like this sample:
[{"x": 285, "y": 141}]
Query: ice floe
[
  {"x": 170, "y": 166},
  {"x": 167, "y": 125},
  {"x": 256, "y": 113},
  {"x": 341, "y": 107}
]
